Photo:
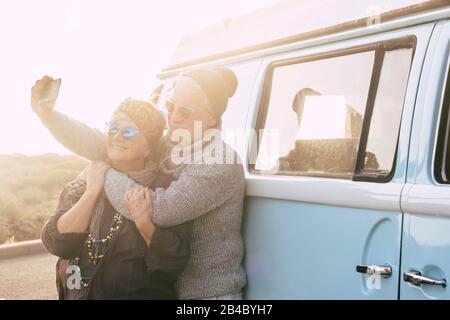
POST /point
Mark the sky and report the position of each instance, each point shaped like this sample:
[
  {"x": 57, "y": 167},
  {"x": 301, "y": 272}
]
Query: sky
[{"x": 104, "y": 51}]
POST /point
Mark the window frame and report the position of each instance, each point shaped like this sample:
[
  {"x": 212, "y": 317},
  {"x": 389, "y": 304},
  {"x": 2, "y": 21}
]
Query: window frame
[
  {"x": 442, "y": 150},
  {"x": 379, "y": 48}
]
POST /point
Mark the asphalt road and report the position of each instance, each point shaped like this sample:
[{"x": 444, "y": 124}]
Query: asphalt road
[{"x": 29, "y": 277}]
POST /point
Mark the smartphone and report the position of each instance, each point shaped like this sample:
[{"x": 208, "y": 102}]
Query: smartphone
[{"x": 52, "y": 91}]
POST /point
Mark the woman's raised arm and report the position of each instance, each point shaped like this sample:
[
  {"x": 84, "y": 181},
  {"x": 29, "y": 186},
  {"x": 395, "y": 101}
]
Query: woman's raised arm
[{"x": 76, "y": 136}]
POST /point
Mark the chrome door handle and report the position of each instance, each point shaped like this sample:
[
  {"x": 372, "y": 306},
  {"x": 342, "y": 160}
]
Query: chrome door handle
[
  {"x": 415, "y": 277},
  {"x": 384, "y": 271}
]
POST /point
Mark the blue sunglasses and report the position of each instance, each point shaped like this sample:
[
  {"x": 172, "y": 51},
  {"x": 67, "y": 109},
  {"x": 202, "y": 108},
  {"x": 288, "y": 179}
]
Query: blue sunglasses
[{"x": 127, "y": 133}]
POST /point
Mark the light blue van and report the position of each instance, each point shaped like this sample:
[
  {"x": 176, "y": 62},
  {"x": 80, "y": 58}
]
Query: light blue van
[{"x": 348, "y": 184}]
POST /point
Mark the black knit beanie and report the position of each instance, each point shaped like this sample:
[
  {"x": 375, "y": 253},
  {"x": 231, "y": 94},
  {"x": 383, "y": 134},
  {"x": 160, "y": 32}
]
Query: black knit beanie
[{"x": 218, "y": 84}]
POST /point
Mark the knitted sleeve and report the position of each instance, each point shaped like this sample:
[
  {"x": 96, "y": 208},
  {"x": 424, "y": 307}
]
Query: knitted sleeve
[
  {"x": 76, "y": 136},
  {"x": 199, "y": 189},
  {"x": 67, "y": 245},
  {"x": 116, "y": 186}
]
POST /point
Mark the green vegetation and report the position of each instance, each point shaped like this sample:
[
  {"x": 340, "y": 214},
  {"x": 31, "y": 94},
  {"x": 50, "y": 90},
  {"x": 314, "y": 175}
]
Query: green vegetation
[{"x": 29, "y": 191}]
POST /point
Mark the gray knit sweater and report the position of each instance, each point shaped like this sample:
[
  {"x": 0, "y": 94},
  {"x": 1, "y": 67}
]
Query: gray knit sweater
[{"x": 210, "y": 194}]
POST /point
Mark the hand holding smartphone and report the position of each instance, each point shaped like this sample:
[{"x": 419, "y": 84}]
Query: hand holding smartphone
[{"x": 44, "y": 94}]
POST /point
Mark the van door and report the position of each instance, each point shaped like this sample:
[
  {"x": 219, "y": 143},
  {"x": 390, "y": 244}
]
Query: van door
[
  {"x": 327, "y": 165},
  {"x": 426, "y": 200}
]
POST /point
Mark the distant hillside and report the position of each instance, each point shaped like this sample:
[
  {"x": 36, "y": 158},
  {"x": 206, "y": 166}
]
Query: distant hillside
[{"x": 29, "y": 189}]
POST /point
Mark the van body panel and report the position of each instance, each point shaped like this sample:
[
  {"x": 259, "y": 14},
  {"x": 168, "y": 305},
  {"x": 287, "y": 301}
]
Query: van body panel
[
  {"x": 426, "y": 203},
  {"x": 305, "y": 236}
]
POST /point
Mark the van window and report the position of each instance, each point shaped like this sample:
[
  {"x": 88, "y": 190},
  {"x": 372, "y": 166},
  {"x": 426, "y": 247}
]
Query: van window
[
  {"x": 442, "y": 159},
  {"x": 335, "y": 115},
  {"x": 387, "y": 111}
]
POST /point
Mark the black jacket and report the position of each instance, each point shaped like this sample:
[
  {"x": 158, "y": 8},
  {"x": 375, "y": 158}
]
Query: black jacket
[{"x": 129, "y": 269}]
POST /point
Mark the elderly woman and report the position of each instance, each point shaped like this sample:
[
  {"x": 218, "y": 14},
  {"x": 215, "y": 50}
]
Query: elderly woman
[{"x": 104, "y": 255}]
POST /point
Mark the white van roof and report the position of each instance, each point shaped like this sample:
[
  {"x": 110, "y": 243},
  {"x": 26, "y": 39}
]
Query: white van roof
[{"x": 287, "y": 22}]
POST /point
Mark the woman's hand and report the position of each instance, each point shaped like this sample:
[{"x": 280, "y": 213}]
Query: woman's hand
[
  {"x": 139, "y": 202},
  {"x": 95, "y": 177},
  {"x": 43, "y": 96},
  {"x": 77, "y": 219}
]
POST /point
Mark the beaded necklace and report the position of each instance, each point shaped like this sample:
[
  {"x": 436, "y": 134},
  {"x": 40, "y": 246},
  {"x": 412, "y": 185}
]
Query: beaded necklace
[{"x": 97, "y": 248}]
